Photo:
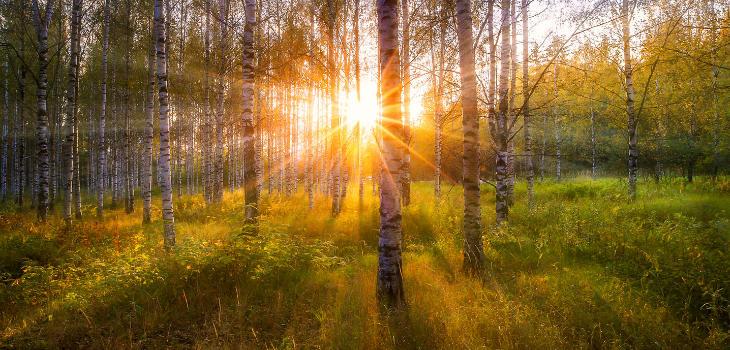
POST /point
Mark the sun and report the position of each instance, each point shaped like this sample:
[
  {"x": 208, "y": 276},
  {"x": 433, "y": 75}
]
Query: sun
[{"x": 364, "y": 111}]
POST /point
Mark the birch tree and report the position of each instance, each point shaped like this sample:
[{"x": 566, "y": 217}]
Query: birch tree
[
  {"x": 632, "y": 122},
  {"x": 71, "y": 110},
  {"x": 249, "y": 133},
  {"x": 473, "y": 248},
  {"x": 168, "y": 216},
  {"x": 499, "y": 126},
  {"x": 102, "y": 118},
  {"x": 41, "y": 27},
  {"x": 148, "y": 130},
  {"x": 335, "y": 118},
  {"x": 406, "y": 61},
  {"x": 529, "y": 170},
  {"x": 389, "y": 284}
]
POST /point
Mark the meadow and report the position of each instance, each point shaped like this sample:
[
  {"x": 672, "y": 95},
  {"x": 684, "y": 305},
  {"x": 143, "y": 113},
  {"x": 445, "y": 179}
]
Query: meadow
[{"x": 587, "y": 269}]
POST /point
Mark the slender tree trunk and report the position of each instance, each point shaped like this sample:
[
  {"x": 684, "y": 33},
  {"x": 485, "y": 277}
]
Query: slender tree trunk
[
  {"x": 692, "y": 147},
  {"x": 78, "y": 139},
  {"x": 512, "y": 110},
  {"x": 102, "y": 118},
  {"x": 114, "y": 178},
  {"x": 530, "y": 172},
  {"x": 439, "y": 121},
  {"x": 71, "y": 108},
  {"x": 491, "y": 98},
  {"x": 207, "y": 190},
  {"x": 310, "y": 106},
  {"x": 660, "y": 135},
  {"x": 406, "y": 60},
  {"x": 222, "y": 64},
  {"x": 543, "y": 133},
  {"x": 335, "y": 121},
  {"x": 557, "y": 126},
  {"x": 128, "y": 132},
  {"x": 500, "y": 131},
  {"x": 389, "y": 285},
  {"x": 41, "y": 25},
  {"x": 473, "y": 248},
  {"x": 149, "y": 129},
  {"x": 168, "y": 216},
  {"x": 593, "y": 137},
  {"x": 356, "y": 33},
  {"x": 4, "y": 170},
  {"x": 632, "y": 122},
  {"x": 718, "y": 126},
  {"x": 249, "y": 133},
  {"x": 20, "y": 155}
]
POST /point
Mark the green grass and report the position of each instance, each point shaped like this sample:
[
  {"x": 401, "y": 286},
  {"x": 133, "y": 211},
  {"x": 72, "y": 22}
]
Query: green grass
[{"x": 586, "y": 270}]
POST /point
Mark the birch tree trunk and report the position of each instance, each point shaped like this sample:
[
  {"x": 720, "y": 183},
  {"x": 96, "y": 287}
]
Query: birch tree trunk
[
  {"x": 632, "y": 122},
  {"x": 439, "y": 121},
  {"x": 530, "y": 172},
  {"x": 249, "y": 133},
  {"x": 222, "y": 67},
  {"x": 168, "y": 216},
  {"x": 20, "y": 140},
  {"x": 692, "y": 150},
  {"x": 406, "y": 60},
  {"x": 102, "y": 118},
  {"x": 310, "y": 107},
  {"x": 206, "y": 105},
  {"x": 500, "y": 128},
  {"x": 114, "y": 178},
  {"x": 148, "y": 130},
  {"x": 128, "y": 156},
  {"x": 356, "y": 33},
  {"x": 335, "y": 121},
  {"x": 512, "y": 110},
  {"x": 716, "y": 136},
  {"x": 389, "y": 284},
  {"x": 4, "y": 170},
  {"x": 70, "y": 111},
  {"x": 593, "y": 137},
  {"x": 557, "y": 125},
  {"x": 41, "y": 25},
  {"x": 473, "y": 248}
]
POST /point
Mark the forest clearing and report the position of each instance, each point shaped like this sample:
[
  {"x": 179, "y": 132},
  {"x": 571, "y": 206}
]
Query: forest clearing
[
  {"x": 584, "y": 271},
  {"x": 348, "y": 174}
]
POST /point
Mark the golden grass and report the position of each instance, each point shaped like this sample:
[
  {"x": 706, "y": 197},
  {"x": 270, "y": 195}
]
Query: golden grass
[{"x": 565, "y": 277}]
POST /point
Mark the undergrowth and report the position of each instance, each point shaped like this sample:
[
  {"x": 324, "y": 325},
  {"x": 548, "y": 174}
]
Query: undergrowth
[{"x": 586, "y": 269}]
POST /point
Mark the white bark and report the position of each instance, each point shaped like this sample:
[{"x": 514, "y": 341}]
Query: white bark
[
  {"x": 148, "y": 130},
  {"x": 70, "y": 111},
  {"x": 168, "y": 216},
  {"x": 406, "y": 61},
  {"x": 632, "y": 122},
  {"x": 473, "y": 248},
  {"x": 529, "y": 169},
  {"x": 102, "y": 118},
  {"x": 249, "y": 135},
  {"x": 389, "y": 285},
  {"x": 41, "y": 25},
  {"x": 500, "y": 128},
  {"x": 557, "y": 125}
]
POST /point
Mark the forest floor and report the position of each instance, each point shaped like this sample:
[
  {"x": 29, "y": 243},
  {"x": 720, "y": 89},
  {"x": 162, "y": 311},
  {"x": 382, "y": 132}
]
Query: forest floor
[{"x": 585, "y": 270}]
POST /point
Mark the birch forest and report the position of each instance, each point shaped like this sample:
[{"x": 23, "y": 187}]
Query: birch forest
[{"x": 350, "y": 174}]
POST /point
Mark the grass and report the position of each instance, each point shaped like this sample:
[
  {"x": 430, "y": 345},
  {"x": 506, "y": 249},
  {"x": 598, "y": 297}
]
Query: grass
[{"x": 585, "y": 270}]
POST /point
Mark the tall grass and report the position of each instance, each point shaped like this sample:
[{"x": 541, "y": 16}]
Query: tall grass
[{"x": 586, "y": 269}]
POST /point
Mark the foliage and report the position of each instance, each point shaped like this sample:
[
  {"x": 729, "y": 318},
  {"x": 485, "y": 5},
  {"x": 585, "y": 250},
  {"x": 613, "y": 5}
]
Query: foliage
[{"x": 585, "y": 270}]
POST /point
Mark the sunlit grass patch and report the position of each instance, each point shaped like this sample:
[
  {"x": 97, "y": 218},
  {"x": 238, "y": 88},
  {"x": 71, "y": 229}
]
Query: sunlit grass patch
[{"x": 587, "y": 269}]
